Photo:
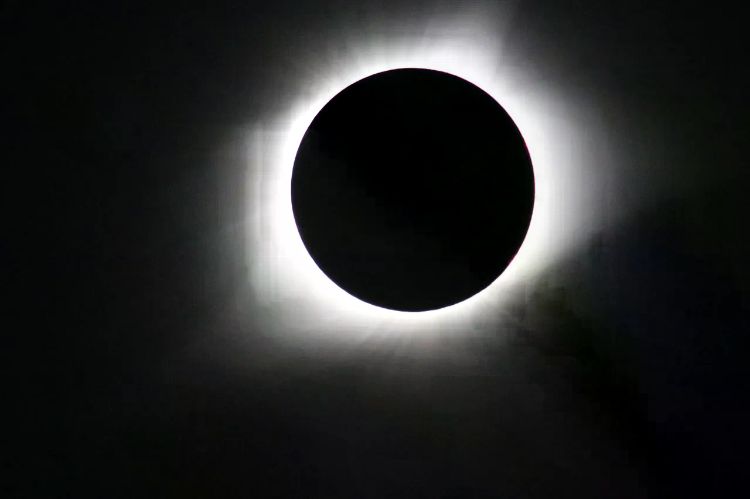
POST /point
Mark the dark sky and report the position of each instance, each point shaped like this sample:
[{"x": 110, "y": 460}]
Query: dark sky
[{"x": 626, "y": 373}]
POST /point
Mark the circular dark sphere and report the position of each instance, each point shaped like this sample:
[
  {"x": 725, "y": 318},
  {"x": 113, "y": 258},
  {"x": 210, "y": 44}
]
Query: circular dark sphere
[{"x": 412, "y": 189}]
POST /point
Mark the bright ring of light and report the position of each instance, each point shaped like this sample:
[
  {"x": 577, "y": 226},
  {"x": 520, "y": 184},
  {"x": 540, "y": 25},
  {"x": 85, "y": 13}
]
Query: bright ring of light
[{"x": 285, "y": 280}]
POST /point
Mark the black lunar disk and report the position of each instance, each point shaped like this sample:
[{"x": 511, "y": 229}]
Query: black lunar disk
[{"x": 412, "y": 189}]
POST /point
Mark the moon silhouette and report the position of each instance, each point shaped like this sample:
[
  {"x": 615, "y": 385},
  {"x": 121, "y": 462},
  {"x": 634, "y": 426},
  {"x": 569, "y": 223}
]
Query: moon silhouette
[{"x": 412, "y": 189}]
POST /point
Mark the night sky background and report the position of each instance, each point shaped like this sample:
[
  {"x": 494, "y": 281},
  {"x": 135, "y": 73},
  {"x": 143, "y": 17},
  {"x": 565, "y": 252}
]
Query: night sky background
[{"x": 626, "y": 371}]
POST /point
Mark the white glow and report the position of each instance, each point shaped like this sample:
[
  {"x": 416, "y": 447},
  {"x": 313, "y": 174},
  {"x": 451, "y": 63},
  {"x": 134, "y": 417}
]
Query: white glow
[{"x": 289, "y": 287}]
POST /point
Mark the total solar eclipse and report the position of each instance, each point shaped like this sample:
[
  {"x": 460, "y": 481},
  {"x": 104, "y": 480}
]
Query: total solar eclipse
[{"x": 412, "y": 189}]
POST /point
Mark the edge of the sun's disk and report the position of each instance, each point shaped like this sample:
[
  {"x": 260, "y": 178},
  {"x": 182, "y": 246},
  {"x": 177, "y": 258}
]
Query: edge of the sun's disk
[{"x": 448, "y": 306}]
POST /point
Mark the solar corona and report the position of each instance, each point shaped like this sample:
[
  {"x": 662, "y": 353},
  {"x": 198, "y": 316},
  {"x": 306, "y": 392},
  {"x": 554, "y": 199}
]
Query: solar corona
[{"x": 408, "y": 188}]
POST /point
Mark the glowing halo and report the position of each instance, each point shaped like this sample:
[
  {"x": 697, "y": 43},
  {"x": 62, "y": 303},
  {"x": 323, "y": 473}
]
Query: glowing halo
[{"x": 285, "y": 281}]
